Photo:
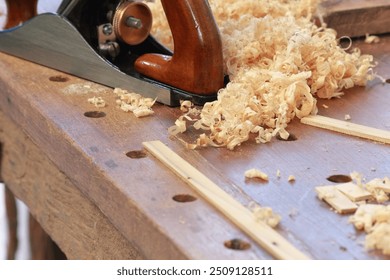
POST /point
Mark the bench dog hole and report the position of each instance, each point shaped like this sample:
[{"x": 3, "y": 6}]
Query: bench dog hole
[
  {"x": 237, "y": 244},
  {"x": 388, "y": 81},
  {"x": 340, "y": 178},
  {"x": 136, "y": 154},
  {"x": 184, "y": 198},
  {"x": 59, "y": 79},
  {"x": 95, "y": 114}
]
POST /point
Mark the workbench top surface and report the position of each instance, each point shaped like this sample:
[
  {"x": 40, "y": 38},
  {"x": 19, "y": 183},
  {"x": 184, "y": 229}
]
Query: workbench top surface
[{"x": 136, "y": 194}]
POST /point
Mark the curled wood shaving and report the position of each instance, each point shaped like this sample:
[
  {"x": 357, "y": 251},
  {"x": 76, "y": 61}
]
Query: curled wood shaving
[
  {"x": 135, "y": 103},
  {"x": 278, "y": 62}
]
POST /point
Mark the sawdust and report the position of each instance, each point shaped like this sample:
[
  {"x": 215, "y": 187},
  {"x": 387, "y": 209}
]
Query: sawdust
[{"x": 278, "y": 61}]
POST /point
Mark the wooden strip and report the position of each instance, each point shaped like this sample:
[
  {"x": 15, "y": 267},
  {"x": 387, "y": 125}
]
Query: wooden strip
[
  {"x": 341, "y": 203},
  {"x": 354, "y": 192},
  {"x": 349, "y": 128},
  {"x": 267, "y": 237}
]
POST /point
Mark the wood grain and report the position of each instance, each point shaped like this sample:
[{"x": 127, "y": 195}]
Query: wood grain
[
  {"x": 76, "y": 224},
  {"x": 135, "y": 195},
  {"x": 267, "y": 237},
  {"x": 356, "y": 18}
]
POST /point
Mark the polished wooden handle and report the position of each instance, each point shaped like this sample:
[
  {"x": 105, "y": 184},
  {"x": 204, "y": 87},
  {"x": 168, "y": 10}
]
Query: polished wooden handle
[
  {"x": 19, "y": 11},
  {"x": 197, "y": 63}
]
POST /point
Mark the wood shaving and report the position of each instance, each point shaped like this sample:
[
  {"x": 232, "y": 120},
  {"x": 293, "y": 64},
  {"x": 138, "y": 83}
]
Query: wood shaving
[
  {"x": 379, "y": 188},
  {"x": 291, "y": 178},
  {"x": 135, "y": 103},
  {"x": 347, "y": 117},
  {"x": 372, "y": 39},
  {"x": 265, "y": 214},
  {"x": 256, "y": 173},
  {"x": 186, "y": 105},
  {"x": 278, "y": 62},
  {"x": 375, "y": 221},
  {"x": 97, "y": 101}
]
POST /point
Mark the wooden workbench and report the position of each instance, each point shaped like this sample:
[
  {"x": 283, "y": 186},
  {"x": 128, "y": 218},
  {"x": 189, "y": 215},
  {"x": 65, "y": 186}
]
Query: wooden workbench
[{"x": 96, "y": 202}]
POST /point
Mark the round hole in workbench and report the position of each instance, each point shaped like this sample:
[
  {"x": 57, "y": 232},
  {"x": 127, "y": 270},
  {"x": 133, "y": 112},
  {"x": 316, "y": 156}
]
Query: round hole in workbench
[
  {"x": 59, "y": 79},
  {"x": 237, "y": 244},
  {"x": 340, "y": 178},
  {"x": 95, "y": 114},
  {"x": 136, "y": 154},
  {"x": 184, "y": 198},
  {"x": 388, "y": 81},
  {"x": 291, "y": 137}
]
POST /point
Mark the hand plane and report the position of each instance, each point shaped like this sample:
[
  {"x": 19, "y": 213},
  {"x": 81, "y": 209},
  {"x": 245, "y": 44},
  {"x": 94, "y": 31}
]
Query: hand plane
[{"x": 109, "y": 42}]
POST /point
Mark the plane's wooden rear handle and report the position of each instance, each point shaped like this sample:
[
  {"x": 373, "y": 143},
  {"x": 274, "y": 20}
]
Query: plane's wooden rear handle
[
  {"x": 197, "y": 63},
  {"x": 19, "y": 11}
]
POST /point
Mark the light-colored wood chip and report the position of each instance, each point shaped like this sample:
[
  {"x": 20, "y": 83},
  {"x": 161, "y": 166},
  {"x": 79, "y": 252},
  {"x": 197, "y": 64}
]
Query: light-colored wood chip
[
  {"x": 241, "y": 216},
  {"x": 381, "y": 184},
  {"x": 349, "y": 128},
  {"x": 291, "y": 178},
  {"x": 256, "y": 173},
  {"x": 354, "y": 192},
  {"x": 336, "y": 199}
]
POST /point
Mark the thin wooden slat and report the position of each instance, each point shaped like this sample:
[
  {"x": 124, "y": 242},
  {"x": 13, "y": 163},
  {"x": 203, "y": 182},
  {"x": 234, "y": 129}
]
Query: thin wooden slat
[
  {"x": 340, "y": 202},
  {"x": 349, "y": 128},
  {"x": 354, "y": 192},
  {"x": 268, "y": 238}
]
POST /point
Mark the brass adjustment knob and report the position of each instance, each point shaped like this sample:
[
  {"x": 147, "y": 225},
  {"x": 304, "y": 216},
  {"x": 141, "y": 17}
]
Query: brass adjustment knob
[{"x": 132, "y": 22}]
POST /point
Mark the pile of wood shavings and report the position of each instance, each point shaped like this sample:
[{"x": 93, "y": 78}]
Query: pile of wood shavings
[
  {"x": 278, "y": 62},
  {"x": 134, "y": 102},
  {"x": 375, "y": 221}
]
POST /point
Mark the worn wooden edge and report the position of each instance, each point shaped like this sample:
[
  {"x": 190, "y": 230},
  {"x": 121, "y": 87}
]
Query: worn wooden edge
[
  {"x": 12, "y": 223},
  {"x": 267, "y": 237},
  {"x": 76, "y": 225},
  {"x": 348, "y": 128}
]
